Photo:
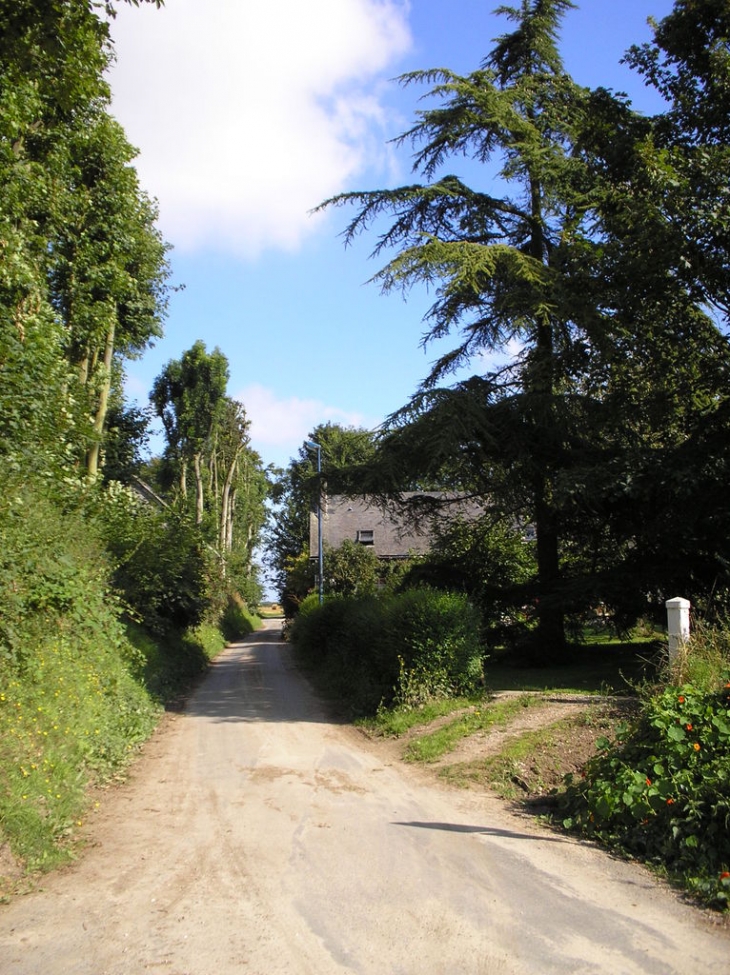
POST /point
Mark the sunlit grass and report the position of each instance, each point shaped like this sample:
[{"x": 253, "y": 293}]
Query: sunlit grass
[
  {"x": 503, "y": 773},
  {"x": 69, "y": 715},
  {"x": 398, "y": 721},
  {"x": 435, "y": 744}
]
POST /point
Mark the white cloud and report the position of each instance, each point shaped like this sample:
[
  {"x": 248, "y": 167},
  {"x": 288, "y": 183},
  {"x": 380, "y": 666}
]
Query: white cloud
[
  {"x": 279, "y": 426},
  {"x": 249, "y": 114},
  {"x": 484, "y": 362}
]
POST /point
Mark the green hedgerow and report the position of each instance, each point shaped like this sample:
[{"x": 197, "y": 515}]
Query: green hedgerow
[{"x": 372, "y": 650}]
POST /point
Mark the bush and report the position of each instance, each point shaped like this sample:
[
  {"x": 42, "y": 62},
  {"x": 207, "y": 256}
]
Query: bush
[
  {"x": 369, "y": 651},
  {"x": 661, "y": 791},
  {"x": 435, "y": 636},
  {"x": 489, "y": 561},
  {"x": 351, "y": 569},
  {"x": 162, "y": 568},
  {"x": 237, "y": 620},
  {"x": 72, "y": 704}
]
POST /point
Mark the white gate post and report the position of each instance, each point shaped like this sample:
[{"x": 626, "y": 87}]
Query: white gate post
[{"x": 677, "y": 623}]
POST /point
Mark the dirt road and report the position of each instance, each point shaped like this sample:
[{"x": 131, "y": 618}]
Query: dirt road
[{"x": 256, "y": 837}]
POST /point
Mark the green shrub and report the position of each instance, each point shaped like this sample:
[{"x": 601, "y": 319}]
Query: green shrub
[
  {"x": 662, "y": 790},
  {"x": 351, "y": 569},
  {"x": 435, "y": 637},
  {"x": 161, "y": 566},
  {"x": 238, "y": 621},
  {"x": 371, "y": 650},
  {"x": 72, "y": 704},
  {"x": 318, "y": 630}
]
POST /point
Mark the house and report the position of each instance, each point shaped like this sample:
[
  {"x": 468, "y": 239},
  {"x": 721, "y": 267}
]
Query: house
[{"x": 387, "y": 529}]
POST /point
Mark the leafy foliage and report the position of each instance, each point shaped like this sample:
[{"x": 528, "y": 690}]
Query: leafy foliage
[
  {"x": 493, "y": 563},
  {"x": 84, "y": 268},
  {"x": 408, "y": 647},
  {"x": 72, "y": 706},
  {"x": 207, "y": 435},
  {"x": 601, "y": 276},
  {"x": 662, "y": 791},
  {"x": 160, "y": 562}
]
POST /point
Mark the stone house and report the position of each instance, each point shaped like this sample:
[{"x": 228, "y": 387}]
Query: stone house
[{"x": 384, "y": 528}]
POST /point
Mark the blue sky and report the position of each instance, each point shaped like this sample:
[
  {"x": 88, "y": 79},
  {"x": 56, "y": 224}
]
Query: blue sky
[{"x": 247, "y": 115}]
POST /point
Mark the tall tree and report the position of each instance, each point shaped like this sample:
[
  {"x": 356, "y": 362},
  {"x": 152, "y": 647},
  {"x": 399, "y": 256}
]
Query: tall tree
[
  {"x": 579, "y": 263},
  {"x": 207, "y": 431},
  {"x": 79, "y": 249},
  {"x": 499, "y": 262},
  {"x": 108, "y": 269},
  {"x": 189, "y": 397}
]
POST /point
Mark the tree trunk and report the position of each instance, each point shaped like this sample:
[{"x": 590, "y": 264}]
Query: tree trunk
[
  {"x": 540, "y": 384},
  {"x": 231, "y": 512},
  {"x": 199, "y": 496},
  {"x": 225, "y": 528},
  {"x": 550, "y": 614},
  {"x": 92, "y": 457}
]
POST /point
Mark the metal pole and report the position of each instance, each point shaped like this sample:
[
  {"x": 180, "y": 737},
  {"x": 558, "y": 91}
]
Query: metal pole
[{"x": 320, "y": 553}]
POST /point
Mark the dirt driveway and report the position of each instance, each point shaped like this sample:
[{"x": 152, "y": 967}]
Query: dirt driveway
[{"x": 256, "y": 837}]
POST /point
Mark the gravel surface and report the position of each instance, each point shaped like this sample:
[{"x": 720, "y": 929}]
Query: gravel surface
[{"x": 255, "y": 836}]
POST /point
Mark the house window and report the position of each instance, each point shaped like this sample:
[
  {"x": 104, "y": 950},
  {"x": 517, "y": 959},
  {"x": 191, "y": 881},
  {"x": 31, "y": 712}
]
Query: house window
[{"x": 366, "y": 536}]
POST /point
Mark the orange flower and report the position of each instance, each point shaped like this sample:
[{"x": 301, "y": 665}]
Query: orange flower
[
  {"x": 648, "y": 781},
  {"x": 689, "y": 727},
  {"x": 670, "y": 802},
  {"x": 680, "y": 699},
  {"x": 725, "y": 875},
  {"x": 696, "y": 746}
]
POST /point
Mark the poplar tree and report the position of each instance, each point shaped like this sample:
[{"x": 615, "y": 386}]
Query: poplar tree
[
  {"x": 83, "y": 268},
  {"x": 189, "y": 397}
]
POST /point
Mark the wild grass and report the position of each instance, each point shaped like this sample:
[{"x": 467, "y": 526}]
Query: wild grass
[
  {"x": 435, "y": 744},
  {"x": 73, "y": 713},
  {"x": 532, "y": 761},
  {"x": 398, "y": 721}
]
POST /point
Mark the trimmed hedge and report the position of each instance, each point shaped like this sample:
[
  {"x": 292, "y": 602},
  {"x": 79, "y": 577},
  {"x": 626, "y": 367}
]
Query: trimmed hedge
[{"x": 406, "y": 648}]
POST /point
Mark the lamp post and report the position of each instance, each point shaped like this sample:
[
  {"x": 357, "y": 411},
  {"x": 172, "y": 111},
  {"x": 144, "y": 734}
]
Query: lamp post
[{"x": 320, "y": 554}]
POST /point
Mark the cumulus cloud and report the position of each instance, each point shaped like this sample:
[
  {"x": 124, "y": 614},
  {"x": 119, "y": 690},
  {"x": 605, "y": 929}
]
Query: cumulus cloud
[
  {"x": 280, "y": 425},
  {"x": 249, "y": 114}
]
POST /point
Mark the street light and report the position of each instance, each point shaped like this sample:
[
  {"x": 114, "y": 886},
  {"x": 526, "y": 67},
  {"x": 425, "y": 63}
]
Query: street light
[{"x": 320, "y": 554}]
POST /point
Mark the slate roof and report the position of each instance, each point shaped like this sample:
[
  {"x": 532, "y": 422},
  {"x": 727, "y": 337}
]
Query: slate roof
[{"x": 385, "y": 529}]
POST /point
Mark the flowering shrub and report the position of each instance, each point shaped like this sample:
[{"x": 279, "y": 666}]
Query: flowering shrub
[{"x": 661, "y": 791}]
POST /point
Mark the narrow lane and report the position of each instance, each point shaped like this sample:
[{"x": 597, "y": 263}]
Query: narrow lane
[{"x": 256, "y": 837}]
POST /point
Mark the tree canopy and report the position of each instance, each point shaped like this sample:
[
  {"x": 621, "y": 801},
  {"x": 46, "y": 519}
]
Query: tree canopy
[
  {"x": 588, "y": 255},
  {"x": 84, "y": 268}
]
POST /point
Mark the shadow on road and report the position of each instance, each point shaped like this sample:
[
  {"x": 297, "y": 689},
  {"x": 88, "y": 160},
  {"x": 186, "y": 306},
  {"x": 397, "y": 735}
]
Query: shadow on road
[{"x": 485, "y": 830}]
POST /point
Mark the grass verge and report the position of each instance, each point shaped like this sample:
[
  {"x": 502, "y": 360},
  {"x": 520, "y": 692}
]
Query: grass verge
[{"x": 73, "y": 713}]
